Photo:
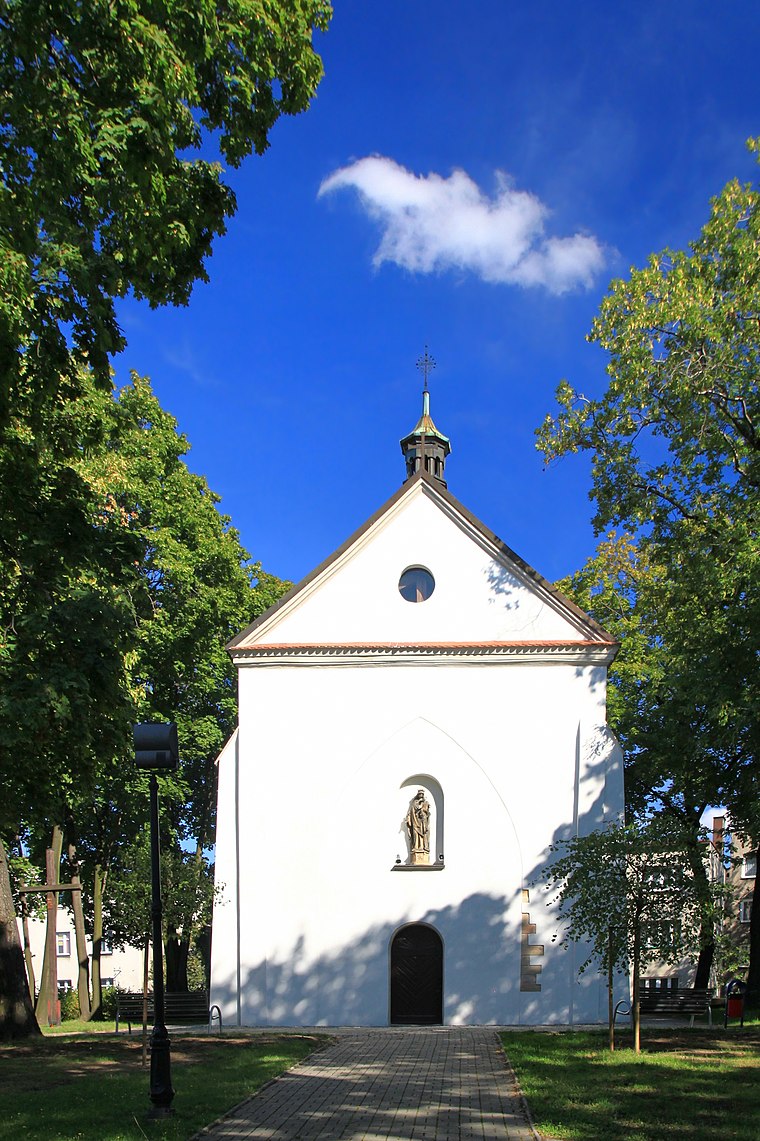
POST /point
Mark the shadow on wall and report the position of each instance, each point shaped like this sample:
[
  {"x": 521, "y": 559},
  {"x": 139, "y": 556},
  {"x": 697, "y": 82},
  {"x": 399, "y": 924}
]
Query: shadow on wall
[
  {"x": 505, "y": 587},
  {"x": 482, "y": 953},
  {"x": 350, "y": 987},
  {"x": 586, "y": 993}
]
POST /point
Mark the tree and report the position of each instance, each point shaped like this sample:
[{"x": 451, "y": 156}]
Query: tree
[
  {"x": 679, "y": 758},
  {"x": 630, "y": 893},
  {"x": 180, "y": 585},
  {"x": 195, "y": 589},
  {"x": 66, "y": 625},
  {"x": 103, "y": 110},
  {"x": 675, "y": 440},
  {"x": 100, "y": 111},
  {"x": 676, "y": 463},
  {"x": 16, "y": 1011}
]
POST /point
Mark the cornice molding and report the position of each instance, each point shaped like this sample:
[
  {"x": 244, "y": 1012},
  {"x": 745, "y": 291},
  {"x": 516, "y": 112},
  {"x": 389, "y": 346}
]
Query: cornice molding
[{"x": 446, "y": 653}]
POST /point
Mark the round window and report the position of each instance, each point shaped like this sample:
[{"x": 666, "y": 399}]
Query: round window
[{"x": 416, "y": 584}]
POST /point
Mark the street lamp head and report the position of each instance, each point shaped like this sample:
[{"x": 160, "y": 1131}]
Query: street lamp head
[{"x": 156, "y": 746}]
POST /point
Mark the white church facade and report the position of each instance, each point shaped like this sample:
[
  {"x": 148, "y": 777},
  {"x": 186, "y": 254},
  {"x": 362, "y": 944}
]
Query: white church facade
[{"x": 421, "y": 718}]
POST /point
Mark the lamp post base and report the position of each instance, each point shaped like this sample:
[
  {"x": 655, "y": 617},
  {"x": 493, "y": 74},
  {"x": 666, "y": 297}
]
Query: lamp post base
[{"x": 161, "y": 1090}]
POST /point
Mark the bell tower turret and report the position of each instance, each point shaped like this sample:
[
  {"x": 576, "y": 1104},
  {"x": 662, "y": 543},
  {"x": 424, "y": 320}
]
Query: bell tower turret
[{"x": 425, "y": 448}]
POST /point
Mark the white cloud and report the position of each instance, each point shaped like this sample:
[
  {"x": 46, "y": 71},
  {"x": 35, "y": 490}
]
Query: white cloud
[{"x": 432, "y": 223}]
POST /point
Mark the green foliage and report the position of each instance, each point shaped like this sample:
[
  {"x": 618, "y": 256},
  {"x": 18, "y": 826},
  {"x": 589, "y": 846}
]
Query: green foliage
[
  {"x": 732, "y": 953},
  {"x": 676, "y": 463},
  {"x": 630, "y": 893},
  {"x": 69, "y": 1001},
  {"x": 679, "y": 697},
  {"x": 66, "y": 618},
  {"x": 178, "y": 585},
  {"x": 194, "y": 588},
  {"x": 196, "y": 972},
  {"x": 187, "y": 888},
  {"x": 23, "y": 871},
  {"x": 108, "y": 1003},
  {"x": 101, "y": 193},
  {"x": 103, "y": 110},
  {"x": 674, "y": 437},
  {"x": 676, "y": 467}
]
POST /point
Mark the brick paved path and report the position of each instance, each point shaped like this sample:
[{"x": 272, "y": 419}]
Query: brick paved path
[{"x": 389, "y": 1085}]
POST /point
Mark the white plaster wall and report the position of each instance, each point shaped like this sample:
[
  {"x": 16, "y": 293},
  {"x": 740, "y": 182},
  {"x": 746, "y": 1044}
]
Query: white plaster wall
[
  {"x": 312, "y": 793},
  {"x": 477, "y": 596},
  {"x": 322, "y": 753}
]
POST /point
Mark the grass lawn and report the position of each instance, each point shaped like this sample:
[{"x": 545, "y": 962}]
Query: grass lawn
[
  {"x": 690, "y": 1085},
  {"x": 93, "y": 1087},
  {"x": 75, "y": 1026}
]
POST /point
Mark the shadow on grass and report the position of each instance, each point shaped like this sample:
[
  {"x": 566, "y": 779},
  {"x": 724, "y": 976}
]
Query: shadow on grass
[
  {"x": 685, "y": 1085},
  {"x": 95, "y": 1088}
]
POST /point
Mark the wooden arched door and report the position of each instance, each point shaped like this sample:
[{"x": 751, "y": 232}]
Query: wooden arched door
[{"x": 416, "y": 977}]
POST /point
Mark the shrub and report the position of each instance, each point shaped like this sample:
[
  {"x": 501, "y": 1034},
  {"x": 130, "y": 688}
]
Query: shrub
[
  {"x": 108, "y": 1003},
  {"x": 69, "y": 1005}
]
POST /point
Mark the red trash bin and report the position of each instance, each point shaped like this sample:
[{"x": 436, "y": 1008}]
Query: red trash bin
[
  {"x": 736, "y": 1006},
  {"x": 735, "y": 992}
]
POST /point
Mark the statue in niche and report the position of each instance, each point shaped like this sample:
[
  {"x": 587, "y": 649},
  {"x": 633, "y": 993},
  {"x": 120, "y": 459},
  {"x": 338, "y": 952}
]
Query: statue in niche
[{"x": 418, "y": 829}]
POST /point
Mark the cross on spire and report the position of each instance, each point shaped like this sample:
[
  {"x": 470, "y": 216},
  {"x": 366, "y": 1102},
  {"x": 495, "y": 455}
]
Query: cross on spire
[
  {"x": 426, "y": 364},
  {"x": 425, "y": 448}
]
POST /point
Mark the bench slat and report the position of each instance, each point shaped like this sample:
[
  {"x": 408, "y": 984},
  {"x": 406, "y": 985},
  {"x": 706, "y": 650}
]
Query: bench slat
[
  {"x": 688, "y": 1003},
  {"x": 186, "y": 1006},
  {"x": 669, "y": 1002}
]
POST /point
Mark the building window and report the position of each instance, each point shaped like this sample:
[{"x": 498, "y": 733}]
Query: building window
[
  {"x": 64, "y": 985},
  {"x": 106, "y": 982},
  {"x": 105, "y": 947},
  {"x": 416, "y": 584},
  {"x": 749, "y": 866},
  {"x": 663, "y": 936},
  {"x": 63, "y": 943},
  {"x": 745, "y": 911}
]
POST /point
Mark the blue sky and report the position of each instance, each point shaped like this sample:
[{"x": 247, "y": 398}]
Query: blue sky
[{"x": 485, "y": 170}]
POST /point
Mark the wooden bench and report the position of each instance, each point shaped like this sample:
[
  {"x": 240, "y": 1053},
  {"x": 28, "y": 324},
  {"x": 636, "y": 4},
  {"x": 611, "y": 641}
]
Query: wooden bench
[
  {"x": 668, "y": 1001},
  {"x": 685, "y": 1003},
  {"x": 183, "y": 1007},
  {"x": 688, "y": 1002}
]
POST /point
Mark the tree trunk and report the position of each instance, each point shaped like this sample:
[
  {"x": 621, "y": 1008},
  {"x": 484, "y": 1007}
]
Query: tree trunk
[
  {"x": 753, "y": 975},
  {"x": 83, "y": 972},
  {"x": 635, "y": 999},
  {"x": 47, "y": 999},
  {"x": 17, "y": 1018},
  {"x": 705, "y": 960},
  {"x": 176, "y": 951},
  {"x": 610, "y": 993},
  {"x": 28, "y": 956},
  {"x": 203, "y": 946},
  {"x": 696, "y": 858},
  {"x": 98, "y": 888}
]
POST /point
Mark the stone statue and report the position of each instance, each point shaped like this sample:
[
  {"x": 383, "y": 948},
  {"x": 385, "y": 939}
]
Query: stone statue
[{"x": 418, "y": 828}]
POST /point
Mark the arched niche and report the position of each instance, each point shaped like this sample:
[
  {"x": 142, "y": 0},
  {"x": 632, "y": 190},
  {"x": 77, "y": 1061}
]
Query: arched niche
[{"x": 434, "y": 796}]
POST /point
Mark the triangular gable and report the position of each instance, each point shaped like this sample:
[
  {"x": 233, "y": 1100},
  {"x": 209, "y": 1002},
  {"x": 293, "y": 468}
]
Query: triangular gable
[{"x": 485, "y": 594}]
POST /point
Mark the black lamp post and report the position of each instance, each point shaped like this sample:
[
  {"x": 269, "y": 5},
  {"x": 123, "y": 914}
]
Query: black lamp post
[{"x": 156, "y": 750}]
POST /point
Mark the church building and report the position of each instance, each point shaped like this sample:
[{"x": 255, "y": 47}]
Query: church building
[{"x": 421, "y": 718}]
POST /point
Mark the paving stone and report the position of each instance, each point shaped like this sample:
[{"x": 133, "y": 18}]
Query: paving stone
[{"x": 439, "y": 1084}]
